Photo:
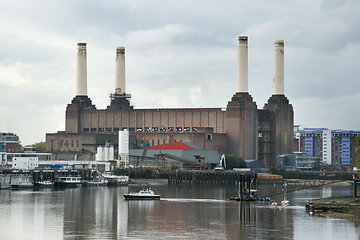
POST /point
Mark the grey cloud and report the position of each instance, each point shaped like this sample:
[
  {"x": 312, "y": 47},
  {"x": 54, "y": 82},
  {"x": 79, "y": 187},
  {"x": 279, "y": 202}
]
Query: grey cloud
[{"x": 179, "y": 45}]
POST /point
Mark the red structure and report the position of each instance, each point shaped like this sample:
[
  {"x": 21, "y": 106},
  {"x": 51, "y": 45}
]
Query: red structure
[{"x": 175, "y": 145}]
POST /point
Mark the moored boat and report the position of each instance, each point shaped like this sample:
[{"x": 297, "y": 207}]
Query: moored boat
[
  {"x": 147, "y": 194},
  {"x": 285, "y": 202},
  {"x": 68, "y": 181},
  {"x": 96, "y": 183},
  {"x": 114, "y": 180},
  {"x": 245, "y": 196},
  {"x": 44, "y": 184}
]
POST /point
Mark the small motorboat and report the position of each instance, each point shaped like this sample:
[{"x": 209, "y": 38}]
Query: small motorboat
[
  {"x": 44, "y": 184},
  {"x": 274, "y": 205},
  {"x": 147, "y": 194},
  {"x": 266, "y": 199},
  {"x": 285, "y": 202}
]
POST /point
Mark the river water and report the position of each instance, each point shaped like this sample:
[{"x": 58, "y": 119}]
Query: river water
[{"x": 184, "y": 212}]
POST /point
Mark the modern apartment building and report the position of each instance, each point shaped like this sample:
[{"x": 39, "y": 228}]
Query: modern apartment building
[
  {"x": 335, "y": 147},
  {"x": 9, "y": 142}
]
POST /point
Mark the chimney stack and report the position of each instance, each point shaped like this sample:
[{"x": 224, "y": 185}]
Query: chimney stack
[
  {"x": 120, "y": 71},
  {"x": 278, "y": 77},
  {"x": 81, "y": 74},
  {"x": 242, "y": 65}
]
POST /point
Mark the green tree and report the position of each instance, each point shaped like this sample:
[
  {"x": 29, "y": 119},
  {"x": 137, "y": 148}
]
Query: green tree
[
  {"x": 357, "y": 151},
  {"x": 40, "y": 147},
  {"x": 234, "y": 162}
]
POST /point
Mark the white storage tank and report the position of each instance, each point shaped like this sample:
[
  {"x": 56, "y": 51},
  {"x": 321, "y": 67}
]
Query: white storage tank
[{"x": 124, "y": 146}]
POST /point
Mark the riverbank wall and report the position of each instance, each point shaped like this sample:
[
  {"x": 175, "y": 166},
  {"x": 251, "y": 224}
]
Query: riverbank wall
[{"x": 342, "y": 207}]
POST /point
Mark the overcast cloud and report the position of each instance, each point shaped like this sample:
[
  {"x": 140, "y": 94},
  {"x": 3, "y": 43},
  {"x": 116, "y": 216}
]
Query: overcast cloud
[{"x": 178, "y": 54}]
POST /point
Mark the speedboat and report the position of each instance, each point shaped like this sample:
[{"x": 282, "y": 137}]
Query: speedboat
[{"x": 147, "y": 194}]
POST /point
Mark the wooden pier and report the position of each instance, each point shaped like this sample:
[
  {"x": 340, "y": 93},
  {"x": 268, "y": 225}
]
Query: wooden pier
[
  {"x": 246, "y": 181},
  {"x": 213, "y": 177}
]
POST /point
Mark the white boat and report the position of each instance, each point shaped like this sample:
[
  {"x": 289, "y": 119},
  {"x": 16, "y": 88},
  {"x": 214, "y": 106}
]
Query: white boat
[
  {"x": 114, "y": 180},
  {"x": 285, "y": 202},
  {"x": 68, "y": 181},
  {"x": 274, "y": 205},
  {"x": 44, "y": 184},
  {"x": 96, "y": 183},
  {"x": 147, "y": 194}
]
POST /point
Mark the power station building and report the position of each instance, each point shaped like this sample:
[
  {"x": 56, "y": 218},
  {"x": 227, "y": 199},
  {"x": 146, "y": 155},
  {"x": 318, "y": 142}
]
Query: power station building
[{"x": 241, "y": 129}]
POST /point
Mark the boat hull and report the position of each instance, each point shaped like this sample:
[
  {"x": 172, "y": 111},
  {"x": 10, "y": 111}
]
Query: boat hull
[
  {"x": 21, "y": 186},
  {"x": 95, "y": 184},
  {"x": 239, "y": 199},
  {"x": 67, "y": 185},
  {"x": 132, "y": 197},
  {"x": 46, "y": 184}
]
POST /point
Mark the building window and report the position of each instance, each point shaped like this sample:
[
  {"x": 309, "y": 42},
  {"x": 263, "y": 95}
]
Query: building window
[
  {"x": 77, "y": 143},
  {"x": 72, "y": 143},
  {"x": 209, "y": 137}
]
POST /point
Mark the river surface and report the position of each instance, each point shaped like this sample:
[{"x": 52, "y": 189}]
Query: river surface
[{"x": 184, "y": 212}]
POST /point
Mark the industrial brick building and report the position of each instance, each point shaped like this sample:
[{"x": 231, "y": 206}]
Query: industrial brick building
[{"x": 241, "y": 129}]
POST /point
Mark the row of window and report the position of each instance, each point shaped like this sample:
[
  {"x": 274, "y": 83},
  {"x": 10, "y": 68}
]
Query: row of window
[
  {"x": 146, "y": 129},
  {"x": 66, "y": 143}
]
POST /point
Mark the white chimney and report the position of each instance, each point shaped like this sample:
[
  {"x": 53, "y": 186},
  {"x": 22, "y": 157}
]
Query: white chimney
[
  {"x": 278, "y": 78},
  {"x": 242, "y": 65},
  {"x": 81, "y": 74},
  {"x": 120, "y": 70}
]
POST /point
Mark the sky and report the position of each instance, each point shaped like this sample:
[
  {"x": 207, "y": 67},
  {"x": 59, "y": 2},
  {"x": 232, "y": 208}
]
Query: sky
[{"x": 178, "y": 54}]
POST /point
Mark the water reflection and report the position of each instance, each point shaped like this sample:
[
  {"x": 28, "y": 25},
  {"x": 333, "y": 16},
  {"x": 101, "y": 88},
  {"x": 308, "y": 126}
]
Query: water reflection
[
  {"x": 184, "y": 212},
  {"x": 30, "y": 215},
  {"x": 97, "y": 211}
]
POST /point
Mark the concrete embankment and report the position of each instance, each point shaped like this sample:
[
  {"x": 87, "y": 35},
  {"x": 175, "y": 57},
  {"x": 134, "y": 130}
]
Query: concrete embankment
[{"x": 344, "y": 207}]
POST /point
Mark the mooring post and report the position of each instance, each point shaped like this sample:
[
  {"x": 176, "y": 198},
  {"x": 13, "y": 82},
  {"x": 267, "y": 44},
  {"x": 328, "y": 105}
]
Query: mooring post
[
  {"x": 242, "y": 181},
  {"x": 355, "y": 183}
]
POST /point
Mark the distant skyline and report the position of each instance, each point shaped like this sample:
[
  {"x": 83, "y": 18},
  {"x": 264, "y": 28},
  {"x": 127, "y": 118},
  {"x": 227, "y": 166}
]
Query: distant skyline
[{"x": 178, "y": 54}]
